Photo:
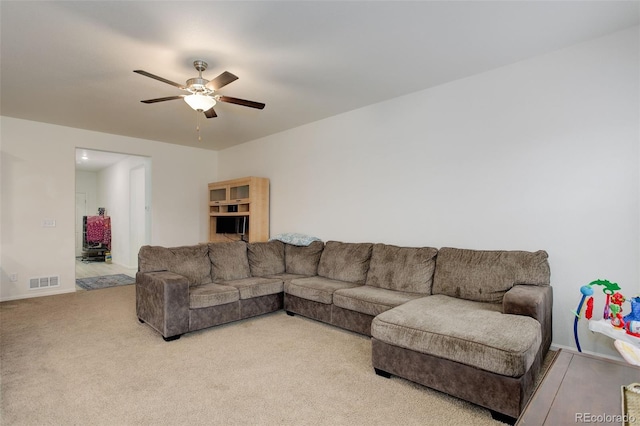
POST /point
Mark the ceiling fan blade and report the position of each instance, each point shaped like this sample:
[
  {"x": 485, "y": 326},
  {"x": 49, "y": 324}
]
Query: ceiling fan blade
[
  {"x": 242, "y": 102},
  {"x": 168, "y": 98},
  {"x": 210, "y": 113},
  {"x": 164, "y": 80},
  {"x": 221, "y": 81}
]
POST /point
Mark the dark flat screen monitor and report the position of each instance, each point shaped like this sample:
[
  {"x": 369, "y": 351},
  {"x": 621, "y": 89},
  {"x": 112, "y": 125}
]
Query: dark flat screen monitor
[{"x": 232, "y": 225}]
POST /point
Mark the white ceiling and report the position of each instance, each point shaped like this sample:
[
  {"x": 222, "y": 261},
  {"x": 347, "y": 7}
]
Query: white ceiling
[{"x": 70, "y": 63}]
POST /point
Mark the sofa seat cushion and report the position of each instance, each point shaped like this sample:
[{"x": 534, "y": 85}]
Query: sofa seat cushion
[
  {"x": 471, "y": 333},
  {"x": 318, "y": 289},
  {"x": 212, "y": 294},
  {"x": 371, "y": 300},
  {"x": 408, "y": 269},
  {"x": 255, "y": 286},
  {"x": 287, "y": 276}
]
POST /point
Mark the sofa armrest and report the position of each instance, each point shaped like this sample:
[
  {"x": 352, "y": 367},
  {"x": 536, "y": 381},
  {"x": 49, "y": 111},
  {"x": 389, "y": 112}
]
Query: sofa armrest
[
  {"x": 162, "y": 301},
  {"x": 533, "y": 301}
]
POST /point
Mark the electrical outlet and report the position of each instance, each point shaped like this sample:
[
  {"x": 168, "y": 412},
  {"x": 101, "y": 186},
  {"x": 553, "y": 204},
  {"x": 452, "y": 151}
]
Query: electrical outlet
[{"x": 13, "y": 277}]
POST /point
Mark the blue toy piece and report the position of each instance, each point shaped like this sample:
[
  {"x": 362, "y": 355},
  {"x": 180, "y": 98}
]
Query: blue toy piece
[
  {"x": 586, "y": 290},
  {"x": 632, "y": 320}
]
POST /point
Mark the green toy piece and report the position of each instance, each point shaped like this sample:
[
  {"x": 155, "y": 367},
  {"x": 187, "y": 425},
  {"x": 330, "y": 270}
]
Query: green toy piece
[{"x": 609, "y": 287}]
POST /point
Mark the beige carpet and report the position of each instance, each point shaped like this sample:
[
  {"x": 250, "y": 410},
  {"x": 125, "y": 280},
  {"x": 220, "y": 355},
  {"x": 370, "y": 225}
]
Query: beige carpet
[{"x": 83, "y": 358}]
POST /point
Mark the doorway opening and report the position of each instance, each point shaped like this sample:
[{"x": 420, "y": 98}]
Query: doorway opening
[{"x": 113, "y": 212}]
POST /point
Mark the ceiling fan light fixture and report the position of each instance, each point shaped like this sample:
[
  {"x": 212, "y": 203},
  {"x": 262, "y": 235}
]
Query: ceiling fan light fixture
[
  {"x": 200, "y": 102},
  {"x": 202, "y": 96}
]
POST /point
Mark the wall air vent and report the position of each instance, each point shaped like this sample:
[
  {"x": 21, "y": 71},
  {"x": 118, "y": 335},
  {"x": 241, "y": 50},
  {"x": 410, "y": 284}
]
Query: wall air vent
[{"x": 44, "y": 282}]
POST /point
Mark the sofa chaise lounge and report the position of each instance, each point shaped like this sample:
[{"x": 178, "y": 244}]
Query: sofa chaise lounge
[{"x": 474, "y": 324}]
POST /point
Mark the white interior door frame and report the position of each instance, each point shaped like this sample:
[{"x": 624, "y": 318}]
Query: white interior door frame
[
  {"x": 81, "y": 210},
  {"x": 138, "y": 235}
]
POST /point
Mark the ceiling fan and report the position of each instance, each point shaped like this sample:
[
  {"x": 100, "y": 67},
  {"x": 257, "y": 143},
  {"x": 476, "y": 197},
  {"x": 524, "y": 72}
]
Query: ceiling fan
[{"x": 202, "y": 96}]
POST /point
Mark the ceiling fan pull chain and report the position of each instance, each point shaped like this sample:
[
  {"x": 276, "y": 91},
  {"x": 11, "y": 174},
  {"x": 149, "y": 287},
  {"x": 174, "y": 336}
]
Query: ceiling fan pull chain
[{"x": 198, "y": 126}]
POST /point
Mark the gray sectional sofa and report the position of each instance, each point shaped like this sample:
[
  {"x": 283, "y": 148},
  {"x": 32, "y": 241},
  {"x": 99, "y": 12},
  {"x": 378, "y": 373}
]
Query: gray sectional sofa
[{"x": 474, "y": 324}]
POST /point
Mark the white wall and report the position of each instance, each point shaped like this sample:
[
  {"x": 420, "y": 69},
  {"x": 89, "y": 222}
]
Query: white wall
[
  {"x": 114, "y": 186},
  {"x": 38, "y": 182},
  {"x": 542, "y": 154}
]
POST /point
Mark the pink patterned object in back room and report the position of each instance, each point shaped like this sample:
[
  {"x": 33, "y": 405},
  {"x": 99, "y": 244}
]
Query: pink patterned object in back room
[{"x": 99, "y": 230}]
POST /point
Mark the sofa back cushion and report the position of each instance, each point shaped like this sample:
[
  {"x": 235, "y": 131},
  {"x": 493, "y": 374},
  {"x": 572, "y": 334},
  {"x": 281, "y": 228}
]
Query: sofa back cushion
[
  {"x": 345, "y": 261},
  {"x": 191, "y": 262},
  {"x": 266, "y": 258},
  {"x": 229, "y": 261},
  {"x": 303, "y": 260},
  {"x": 485, "y": 276},
  {"x": 408, "y": 269}
]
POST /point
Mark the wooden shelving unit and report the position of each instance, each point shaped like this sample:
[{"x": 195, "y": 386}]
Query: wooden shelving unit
[{"x": 247, "y": 200}]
